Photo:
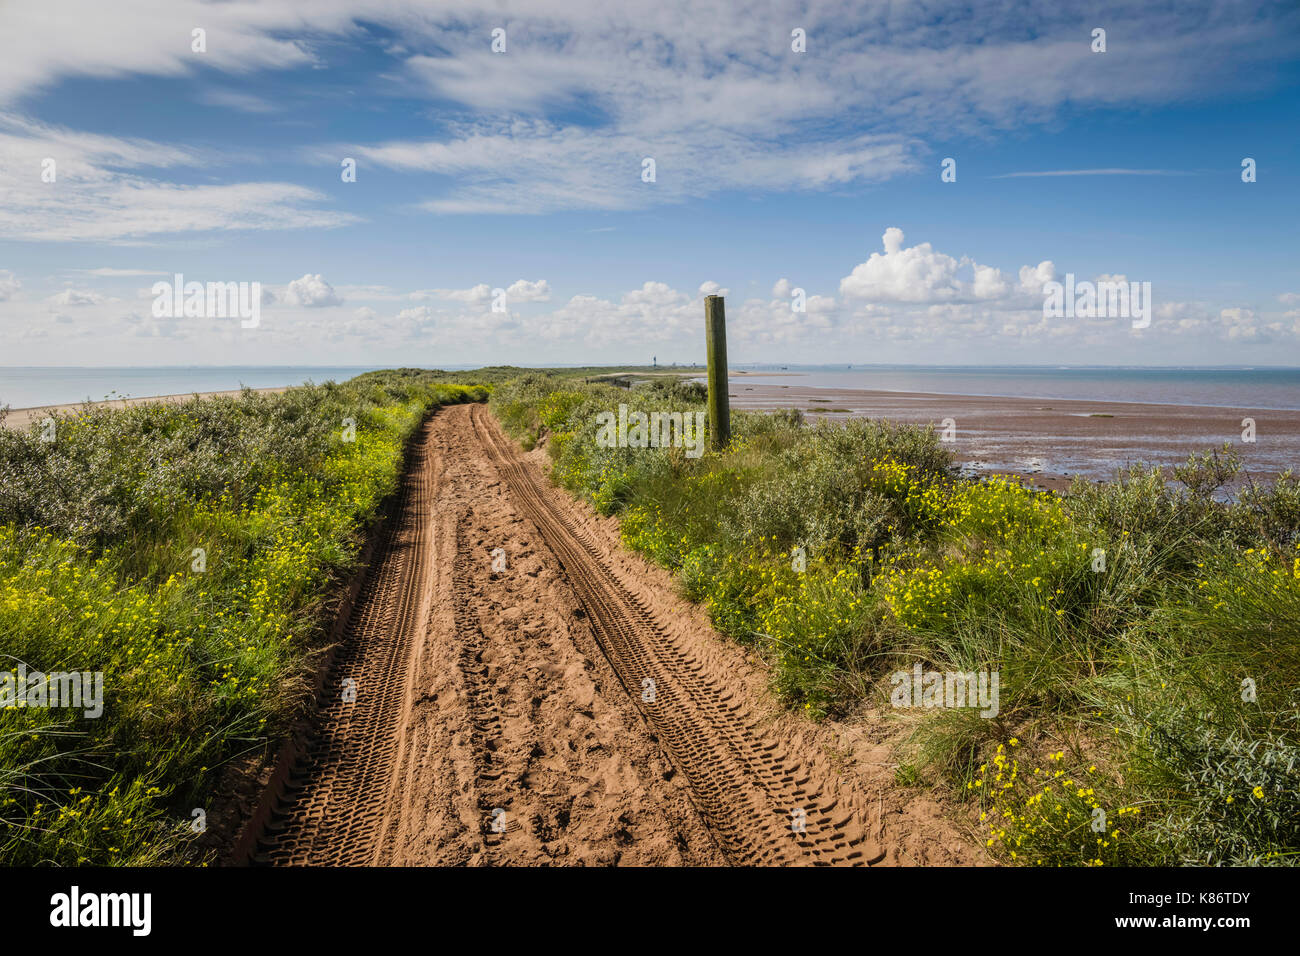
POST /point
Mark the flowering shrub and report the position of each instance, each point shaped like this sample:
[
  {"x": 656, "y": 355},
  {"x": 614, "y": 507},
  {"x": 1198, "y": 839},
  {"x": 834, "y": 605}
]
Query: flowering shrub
[
  {"x": 199, "y": 665},
  {"x": 1098, "y": 609}
]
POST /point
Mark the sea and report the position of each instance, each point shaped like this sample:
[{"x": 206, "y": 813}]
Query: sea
[
  {"x": 1273, "y": 387},
  {"x": 1270, "y": 387},
  {"x": 29, "y": 387}
]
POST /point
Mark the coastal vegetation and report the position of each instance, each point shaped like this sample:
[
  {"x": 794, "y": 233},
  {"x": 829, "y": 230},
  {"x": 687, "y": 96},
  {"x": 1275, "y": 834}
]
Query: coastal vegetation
[
  {"x": 1145, "y": 632},
  {"x": 187, "y": 553}
]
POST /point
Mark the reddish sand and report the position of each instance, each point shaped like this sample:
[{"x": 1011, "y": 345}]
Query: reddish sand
[{"x": 529, "y": 693}]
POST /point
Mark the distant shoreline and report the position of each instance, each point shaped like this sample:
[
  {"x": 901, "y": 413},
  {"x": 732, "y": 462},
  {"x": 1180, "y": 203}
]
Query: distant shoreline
[
  {"x": 22, "y": 417},
  {"x": 1047, "y": 441},
  {"x": 1050, "y": 441},
  {"x": 735, "y": 373}
]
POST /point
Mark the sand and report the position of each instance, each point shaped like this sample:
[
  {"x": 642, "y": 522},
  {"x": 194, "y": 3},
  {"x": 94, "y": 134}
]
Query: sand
[
  {"x": 1050, "y": 441},
  {"x": 22, "y": 417},
  {"x": 501, "y": 650}
]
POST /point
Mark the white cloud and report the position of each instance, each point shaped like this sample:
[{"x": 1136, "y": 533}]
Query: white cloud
[
  {"x": 233, "y": 99},
  {"x": 1032, "y": 279},
  {"x": 150, "y": 37},
  {"x": 521, "y": 290},
  {"x": 712, "y": 288},
  {"x": 921, "y": 275},
  {"x": 1238, "y": 323},
  {"x": 100, "y": 194},
  {"x": 9, "y": 284},
  {"x": 989, "y": 283},
  {"x": 771, "y": 117},
  {"x": 75, "y": 297},
  {"x": 1095, "y": 172},
  {"x": 416, "y": 314},
  {"x": 108, "y": 272},
  {"x": 312, "y": 292},
  {"x": 475, "y": 294},
  {"x": 917, "y": 274}
]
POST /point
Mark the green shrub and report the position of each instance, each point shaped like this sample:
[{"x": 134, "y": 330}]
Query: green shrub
[{"x": 200, "y": 663}]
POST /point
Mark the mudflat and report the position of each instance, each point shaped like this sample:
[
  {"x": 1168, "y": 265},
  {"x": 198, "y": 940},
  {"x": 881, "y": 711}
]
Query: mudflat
[{"x": 1050, "y": 441}]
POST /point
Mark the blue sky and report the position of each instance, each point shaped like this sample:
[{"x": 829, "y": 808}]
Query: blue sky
[{"x": 522, "y": 171}]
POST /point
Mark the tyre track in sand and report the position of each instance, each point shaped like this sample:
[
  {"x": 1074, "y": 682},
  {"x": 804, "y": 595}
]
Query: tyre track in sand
[
  {"x": 746, "y": 786},
  {"x": 333, "y": 806},
  {"x": 482, "y": 691}
]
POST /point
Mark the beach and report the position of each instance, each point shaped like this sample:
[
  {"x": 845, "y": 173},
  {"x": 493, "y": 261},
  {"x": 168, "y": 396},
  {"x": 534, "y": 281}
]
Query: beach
[
  {"x": 1047, "y": 441},
  {"x": 22, "y": 417}
]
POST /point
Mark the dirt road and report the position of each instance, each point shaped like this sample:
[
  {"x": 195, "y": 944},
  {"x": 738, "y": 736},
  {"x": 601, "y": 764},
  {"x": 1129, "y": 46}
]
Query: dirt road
[{"x": 514, "y": 689}]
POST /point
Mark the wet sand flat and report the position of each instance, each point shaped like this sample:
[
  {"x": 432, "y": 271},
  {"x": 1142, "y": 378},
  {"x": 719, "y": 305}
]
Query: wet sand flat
[{"x": 1050, "y": 440}]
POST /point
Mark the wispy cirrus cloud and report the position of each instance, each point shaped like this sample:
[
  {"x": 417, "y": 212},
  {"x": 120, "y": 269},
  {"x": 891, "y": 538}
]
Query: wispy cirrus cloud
[
  {"x": 1030, "y": 174},
  {"x": 714, "y": 93},
  {"x": 64, "y": 185}
]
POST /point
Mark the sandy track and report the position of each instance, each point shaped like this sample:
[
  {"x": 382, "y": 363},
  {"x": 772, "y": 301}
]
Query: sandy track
[
  {"x": 747, "y": 786},
  {"x": 565, "y": 709}
]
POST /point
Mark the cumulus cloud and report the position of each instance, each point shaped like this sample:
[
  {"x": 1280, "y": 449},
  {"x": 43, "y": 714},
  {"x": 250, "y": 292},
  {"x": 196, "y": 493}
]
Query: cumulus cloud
[
  {"x": 916, "y": 274},
  {"x": 311, "y": 292},
  {"x": 712, "y": 288},
  {"x": 989, "y": 283},
  {"x": 1238, "y": 323},
  {"x": 75, "y": 297},
  {"x": 1032, "y": 279},
  {"x": 521, "y": 290},
  {"x": 922, "y": 275},
  {"x": 419, "y": 314},
  {"x": 9, "y": 284}
]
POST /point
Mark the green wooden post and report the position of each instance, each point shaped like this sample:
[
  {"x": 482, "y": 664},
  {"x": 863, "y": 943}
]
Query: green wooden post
[{"x": 715, "y": 330}]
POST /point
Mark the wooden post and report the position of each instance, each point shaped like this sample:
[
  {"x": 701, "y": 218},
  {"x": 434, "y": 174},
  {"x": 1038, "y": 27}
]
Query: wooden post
[{"x": 715, "y": 331}]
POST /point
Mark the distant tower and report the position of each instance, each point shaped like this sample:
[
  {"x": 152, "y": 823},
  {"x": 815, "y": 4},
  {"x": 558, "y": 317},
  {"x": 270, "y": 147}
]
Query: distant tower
[{"x": 655, "y": 360}]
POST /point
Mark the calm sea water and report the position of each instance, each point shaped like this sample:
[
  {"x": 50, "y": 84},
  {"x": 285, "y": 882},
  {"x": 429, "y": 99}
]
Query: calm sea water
[
  {"x": 1277, "y": 388},
  {"x": 29, "y": 387},
  {"x": 1237, "y": 387}
]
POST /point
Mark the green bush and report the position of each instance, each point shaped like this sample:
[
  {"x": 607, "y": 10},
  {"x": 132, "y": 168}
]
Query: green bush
[
  {"x": 202, "y": 660},
  {"x": 1121, "y": 617}
]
